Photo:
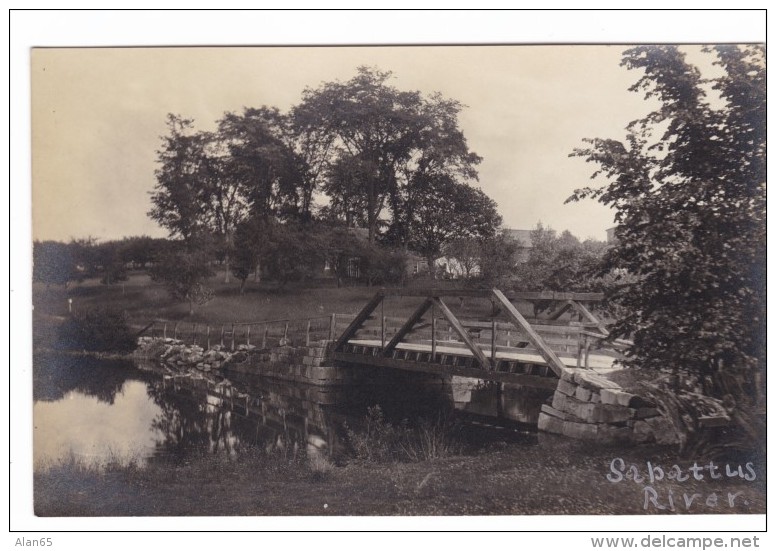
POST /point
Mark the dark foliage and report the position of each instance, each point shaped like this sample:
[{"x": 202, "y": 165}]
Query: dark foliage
[
  {"x": 97, "y": 331},
  {"x": 689, "y": 189}
]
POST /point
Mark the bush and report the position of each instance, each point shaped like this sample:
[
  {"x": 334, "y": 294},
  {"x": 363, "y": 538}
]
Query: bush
[
  {"x": 382, "y": 266},
  {"x": 380, "y": 441},
  {"x": 97, "y": 331}
]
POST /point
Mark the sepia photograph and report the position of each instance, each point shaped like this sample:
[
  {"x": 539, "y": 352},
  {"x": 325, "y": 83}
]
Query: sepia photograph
[{"x": 518, "y": 279}]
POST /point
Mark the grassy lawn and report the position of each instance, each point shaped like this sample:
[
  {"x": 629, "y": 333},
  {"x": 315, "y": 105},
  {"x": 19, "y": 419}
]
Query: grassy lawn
[{"x": 145, "y": 300}]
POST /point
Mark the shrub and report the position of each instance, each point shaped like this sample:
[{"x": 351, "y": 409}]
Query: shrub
[
  {"x": 380, "y": 441},
  {"x": 97, "y": 331}
]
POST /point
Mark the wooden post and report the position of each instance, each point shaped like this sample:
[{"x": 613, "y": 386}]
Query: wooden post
[
  {"x": 164, "y": 330},
  {"x": 579, "y": 349},
  {"x": 264, "y": 338},
  {"x": 285, "y": 334},
  {"x": 587, "y": 352},
  {"x": 433, "y": 332},
  {"x": 222, "y": 335},
  {"x": 332, "y": 327},
  {"x": 175, "y": 331},
  {"x": 233, "y": 337},
  {"x": 382, "y": 324},
  {"x": 307, "y": 335},
  {"x": 208, "y": 337},
  {"x": 248, "y": 336},
  {"x": 493, "y": 334}
]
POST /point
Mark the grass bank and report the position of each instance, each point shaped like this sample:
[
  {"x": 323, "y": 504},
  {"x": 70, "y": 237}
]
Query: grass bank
[
  {"x": 554, "y": 476},
  {"x": 143, "y": 300}
]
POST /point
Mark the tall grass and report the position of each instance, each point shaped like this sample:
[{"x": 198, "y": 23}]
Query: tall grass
[{"x": 381, "y": 441}]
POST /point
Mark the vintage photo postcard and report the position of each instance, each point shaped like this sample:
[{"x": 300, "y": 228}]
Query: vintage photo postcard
[{"x": 513, "y": 280}]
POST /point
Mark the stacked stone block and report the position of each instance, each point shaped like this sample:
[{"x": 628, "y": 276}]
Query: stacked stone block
[
  {"x": 588, "y": 406},
  {"x": 303, "y": 364}
]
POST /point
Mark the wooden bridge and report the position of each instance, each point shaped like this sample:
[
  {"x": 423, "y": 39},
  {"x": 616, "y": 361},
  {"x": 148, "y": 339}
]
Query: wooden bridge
[
  {"x": 501, "y": 344},
  {"x": 526, "y": 338}
]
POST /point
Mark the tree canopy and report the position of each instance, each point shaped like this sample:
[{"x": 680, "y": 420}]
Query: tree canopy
[
  {"x": 688, "y": 187},
  {"x": 391, "y": 161}
]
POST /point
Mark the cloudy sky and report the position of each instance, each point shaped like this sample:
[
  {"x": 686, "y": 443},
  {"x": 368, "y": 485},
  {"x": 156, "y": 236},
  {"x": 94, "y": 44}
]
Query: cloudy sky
[{"x": 98, "y": 115}]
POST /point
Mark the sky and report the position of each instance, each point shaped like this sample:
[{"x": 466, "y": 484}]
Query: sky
[{"x": 98, "y": 114}]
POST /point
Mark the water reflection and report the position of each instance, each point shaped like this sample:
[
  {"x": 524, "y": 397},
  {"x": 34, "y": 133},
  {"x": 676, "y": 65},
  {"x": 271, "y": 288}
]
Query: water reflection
[
  {"x": 92, "y": 431},
  {"x": 97, "y": 411}
]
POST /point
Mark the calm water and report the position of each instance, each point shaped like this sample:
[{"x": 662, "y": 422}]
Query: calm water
[{"x": 97, "y": 411}]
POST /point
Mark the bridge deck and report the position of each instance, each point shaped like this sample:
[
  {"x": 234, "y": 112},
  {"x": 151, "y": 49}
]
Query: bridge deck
[{"x": 595, "y": 361}]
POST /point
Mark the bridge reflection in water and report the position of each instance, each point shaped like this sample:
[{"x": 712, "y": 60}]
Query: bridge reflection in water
[
  {"x": 98, "y": 411},
  {"x": 273, "y": 414}
]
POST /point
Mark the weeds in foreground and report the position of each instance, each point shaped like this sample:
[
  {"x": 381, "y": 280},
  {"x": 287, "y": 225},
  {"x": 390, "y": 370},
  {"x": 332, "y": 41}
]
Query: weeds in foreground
[{"x": 380, "y": 441}]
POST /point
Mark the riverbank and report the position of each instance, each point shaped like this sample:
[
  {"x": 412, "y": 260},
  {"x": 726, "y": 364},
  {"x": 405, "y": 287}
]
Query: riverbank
[{"x": 554, "y": 476}]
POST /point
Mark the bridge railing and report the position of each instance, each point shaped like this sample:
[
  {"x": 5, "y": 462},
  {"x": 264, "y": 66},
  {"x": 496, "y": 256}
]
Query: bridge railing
[
  {"x": 568, "y": 340},
  {"x": 503, "y": 332},
  {"x": 261, "y": 334}
]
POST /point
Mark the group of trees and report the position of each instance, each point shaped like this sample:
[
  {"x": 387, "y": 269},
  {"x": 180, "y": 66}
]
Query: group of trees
[
  {"x": 546, "y": 261},
  {"x": 58, "y": 263},
  {"x": 394, "y": 163}
]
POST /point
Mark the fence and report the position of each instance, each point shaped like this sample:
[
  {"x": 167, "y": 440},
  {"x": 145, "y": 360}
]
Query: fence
[{"x": 261, "y": 334}]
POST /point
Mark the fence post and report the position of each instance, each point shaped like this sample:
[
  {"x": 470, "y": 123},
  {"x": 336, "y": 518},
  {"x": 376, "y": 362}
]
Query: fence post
[
  {"x": 382, "y": 331},
  {"x": 248, "y": 336},
  {"x": 307, "y": 334},
  {"x": 208, "y": 337},
  {"x": 232, "y": 337},
  {"x": 332, "y": 326},
  {"x": 164, "y": 331},
  {"x": 264, "y": 338},
  {"x": 194, "y": 333},
  {"x": 493, "y": 341},
  {"x": 285, "y": 334},
  {"x": 493, "y": 334},
  {"x": 222, "y": 335},
  {"x": 433, "y": 333},
  {"x": 175, "y": 332},
  {"x": 587, "y": 352}
]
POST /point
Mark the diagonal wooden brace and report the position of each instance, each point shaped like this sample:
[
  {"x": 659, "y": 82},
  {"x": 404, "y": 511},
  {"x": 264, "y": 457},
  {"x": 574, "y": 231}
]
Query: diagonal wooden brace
[
  {"x": 517, "y": 318},
  {"x": 579, "y": 307},
  {"x": 359, "y": 320},
  {"x": 413, "y": 320},
  {"x": 464, "y": 334}
]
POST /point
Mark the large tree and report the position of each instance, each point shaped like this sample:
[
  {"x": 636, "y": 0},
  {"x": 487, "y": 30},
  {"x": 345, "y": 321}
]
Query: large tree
[
  {"x": 379, "y": 145},
  {"x": 445, "y": 210},
  {"x": 372, "y": 126},
  {"x": 180, "y": 197},
  {"x": 688, "y": 186}
]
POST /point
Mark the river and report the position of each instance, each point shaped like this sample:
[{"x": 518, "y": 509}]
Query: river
[{"x": 110, "y": 411}]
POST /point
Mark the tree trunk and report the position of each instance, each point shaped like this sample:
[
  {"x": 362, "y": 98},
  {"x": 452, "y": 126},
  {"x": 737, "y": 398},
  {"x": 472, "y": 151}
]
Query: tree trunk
[
  {"x": 242, "y": 286},
  {"x": 257, "y": 275},
  {"x": 228, "y": 272},
  {"x": 431, "y": 270}
]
